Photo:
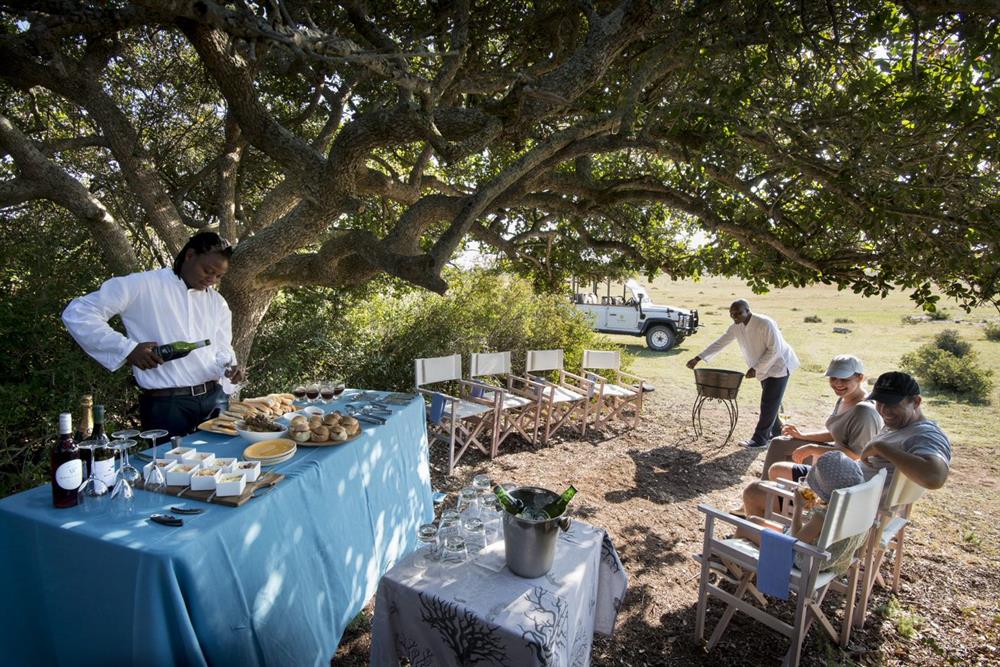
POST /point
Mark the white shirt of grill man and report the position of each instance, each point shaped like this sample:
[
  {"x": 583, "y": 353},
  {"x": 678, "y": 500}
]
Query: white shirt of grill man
[
  {"x": 763, "y": 347},
  {"x": 154, "y": 306}
]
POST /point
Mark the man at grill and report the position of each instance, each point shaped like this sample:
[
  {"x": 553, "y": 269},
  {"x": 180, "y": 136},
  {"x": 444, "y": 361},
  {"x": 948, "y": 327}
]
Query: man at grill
[
  {"x": 770, "y": 359},
  {"x": 159, "y": 307}
]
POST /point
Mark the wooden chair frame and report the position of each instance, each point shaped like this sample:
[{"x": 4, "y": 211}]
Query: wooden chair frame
[
  {"x": 566, "y": 401},
  {"x": 850, "y": 510},
  {"x": 520, "y": 403},
  {"x": 467, "y": 420},
  {"x": 615, "y": 390}
]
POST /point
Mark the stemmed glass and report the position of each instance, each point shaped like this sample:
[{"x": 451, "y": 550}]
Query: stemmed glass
[
  {"x": 93, "y": 492},
  {"x": 156, "y": 478},
  {"x": 122, "y": 491},
  {"x": 299, "y": 392},
  {"x": 312, "y": 391},
  {"x": 125, "y": 440},
  {"x": 225, "y": 364}
]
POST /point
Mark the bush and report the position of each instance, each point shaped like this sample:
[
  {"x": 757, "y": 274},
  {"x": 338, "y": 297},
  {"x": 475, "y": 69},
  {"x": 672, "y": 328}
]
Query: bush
[
  {"x": 843, "y": 320},
  {"x": 940, "y": 368},
  {"x": 812, "y": 319},
  {"x": 992, "y": 331},
  {"x": 939, "y": 315},
  {"x": 949, "y": 341}
]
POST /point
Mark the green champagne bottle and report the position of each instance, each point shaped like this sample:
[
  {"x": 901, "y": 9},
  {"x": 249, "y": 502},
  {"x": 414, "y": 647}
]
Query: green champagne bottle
[
  {"x": 179, "y": 349},
  {"x": 558, "y": 506},
  {"x": 509, "y": 502}
]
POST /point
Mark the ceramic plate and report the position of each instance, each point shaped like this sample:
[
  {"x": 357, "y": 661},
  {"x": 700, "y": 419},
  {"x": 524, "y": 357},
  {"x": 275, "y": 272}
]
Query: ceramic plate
[{"x": 266, "y": 450}]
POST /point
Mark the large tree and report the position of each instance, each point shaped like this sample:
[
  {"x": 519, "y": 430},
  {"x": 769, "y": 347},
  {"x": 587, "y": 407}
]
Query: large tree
[{"x": 846, "y": 141}]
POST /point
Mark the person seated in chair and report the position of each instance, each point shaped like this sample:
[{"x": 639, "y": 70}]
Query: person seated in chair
[
  {"x": 852, "y": 424},
  {"x": 833, "y": 470}
]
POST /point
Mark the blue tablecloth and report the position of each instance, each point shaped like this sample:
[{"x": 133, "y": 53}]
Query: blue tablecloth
[{"x": 273, "y": 582}]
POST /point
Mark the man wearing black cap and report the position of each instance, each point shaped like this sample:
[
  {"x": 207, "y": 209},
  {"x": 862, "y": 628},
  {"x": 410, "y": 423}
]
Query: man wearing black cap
[{"x": 909, "y": 442}]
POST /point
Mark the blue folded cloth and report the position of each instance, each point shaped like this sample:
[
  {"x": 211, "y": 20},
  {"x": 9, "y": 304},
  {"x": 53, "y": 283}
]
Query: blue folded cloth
[
  {"x": 437, "y": 408},
  {"x": 774, "y": 568}
]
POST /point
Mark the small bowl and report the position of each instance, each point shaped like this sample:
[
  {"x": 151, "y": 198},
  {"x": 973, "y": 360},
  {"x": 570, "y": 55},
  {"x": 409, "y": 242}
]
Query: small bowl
[
  {"x": 258, "y": 436},
  {"x": 311, "y": 410}
]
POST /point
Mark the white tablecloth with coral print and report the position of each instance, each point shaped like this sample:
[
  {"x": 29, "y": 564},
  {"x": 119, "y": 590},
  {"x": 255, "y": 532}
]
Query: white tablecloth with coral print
[{"x": 481, "y": 613}]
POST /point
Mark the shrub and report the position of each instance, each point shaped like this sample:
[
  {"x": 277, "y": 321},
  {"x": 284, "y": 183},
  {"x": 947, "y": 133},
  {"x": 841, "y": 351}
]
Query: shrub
[
  {"x": 992, "y": 331},
  {"x": 812, "y": 319},
  {"x": 949, "y": 341},
  {"x": 939, "y": 315},
  {"x": 942, "y": 369},
  {"x": 843, "y": 320}
]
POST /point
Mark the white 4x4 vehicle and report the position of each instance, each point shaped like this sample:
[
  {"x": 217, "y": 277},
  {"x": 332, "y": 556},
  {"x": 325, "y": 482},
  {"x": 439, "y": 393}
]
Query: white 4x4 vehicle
[{"x": 663, "y": 326}]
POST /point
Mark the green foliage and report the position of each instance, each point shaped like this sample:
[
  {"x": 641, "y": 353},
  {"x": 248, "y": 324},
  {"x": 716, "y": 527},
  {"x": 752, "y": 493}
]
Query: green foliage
[
  {"x": 939, "y": 315},
  {"x": 949, "y": 341},
  {"x": 992, "y": 331},
  {"x": 949, "y": 363},
  {"x": 812, "y": 319},
  {"x": 372, "y": 342}
]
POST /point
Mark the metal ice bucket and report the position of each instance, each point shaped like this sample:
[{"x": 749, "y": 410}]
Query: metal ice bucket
[{"x": 531, "y": 545}]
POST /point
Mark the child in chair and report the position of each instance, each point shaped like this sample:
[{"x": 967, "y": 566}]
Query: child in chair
[{"x": 833, "y": 470}]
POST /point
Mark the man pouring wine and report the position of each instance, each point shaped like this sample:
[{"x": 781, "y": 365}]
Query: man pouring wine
[{"x": 178, "y": 336}]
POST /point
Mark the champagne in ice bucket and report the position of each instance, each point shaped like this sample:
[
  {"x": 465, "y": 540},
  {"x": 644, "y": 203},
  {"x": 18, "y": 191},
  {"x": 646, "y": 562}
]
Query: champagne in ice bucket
[{"x": 531, "y": 525}]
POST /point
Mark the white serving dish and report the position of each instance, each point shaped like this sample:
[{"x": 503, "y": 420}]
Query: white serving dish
[
  {"x": 180, "y": 474},
  {"x": 250, "y": 470},
  {"x": 311, "y": 410},
  {"x": 181, "y": 453},
  {"x": 165, "y": 465},
  {"x": 257, "y": 436},
  {"x": 225, "y": 462},
  {"x": 230, "y": 484},
  {"x": 205, "y": 478},
  {"x": 204, "y": 458}
]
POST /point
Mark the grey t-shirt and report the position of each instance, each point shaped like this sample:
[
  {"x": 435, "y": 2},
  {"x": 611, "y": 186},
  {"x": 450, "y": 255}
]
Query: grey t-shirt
[
  {"x": 854, "y": 428},
  {"x": 922, "y": 437}
]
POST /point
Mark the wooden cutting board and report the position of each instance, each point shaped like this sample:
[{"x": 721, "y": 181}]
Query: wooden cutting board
[{"x": 185, "y": 493}]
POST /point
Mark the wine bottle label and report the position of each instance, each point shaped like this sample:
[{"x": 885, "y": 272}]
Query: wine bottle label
[
  {"x": 69, "y": 475},
  {"x": 105, "y": 471}
]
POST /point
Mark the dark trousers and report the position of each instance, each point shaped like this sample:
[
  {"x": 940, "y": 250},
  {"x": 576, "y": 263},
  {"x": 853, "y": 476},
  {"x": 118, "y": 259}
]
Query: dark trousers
[
  {"x": 772, "y": 390},
  {"x": 179, "y": 414}
]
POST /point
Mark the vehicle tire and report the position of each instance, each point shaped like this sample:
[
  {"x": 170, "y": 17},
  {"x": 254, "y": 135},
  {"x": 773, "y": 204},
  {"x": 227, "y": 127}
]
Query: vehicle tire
[{"x": 660, "y": 338}]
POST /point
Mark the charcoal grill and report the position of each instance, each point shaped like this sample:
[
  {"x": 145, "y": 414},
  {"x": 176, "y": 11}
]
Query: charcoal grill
[{"x": 719, "y": 385}]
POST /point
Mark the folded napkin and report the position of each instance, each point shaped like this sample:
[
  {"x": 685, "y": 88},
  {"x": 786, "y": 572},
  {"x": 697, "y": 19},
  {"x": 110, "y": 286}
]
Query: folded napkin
[
  {"x": 437, "y": 408},
  {"x": 774, "y": 567}
]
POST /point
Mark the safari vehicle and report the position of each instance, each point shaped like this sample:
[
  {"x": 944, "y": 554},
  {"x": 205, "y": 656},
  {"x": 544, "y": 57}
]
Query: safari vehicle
[{"x": 634, "y": 313}]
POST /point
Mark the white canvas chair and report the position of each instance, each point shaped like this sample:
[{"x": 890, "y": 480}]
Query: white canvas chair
[
  {"x": 615, "y": 390},
  {"x": 565, "y": 401},
  {"x": 460, "y": 421},
  {"x": 520, "y": 404},
  {"x": 887, "y": 538},
  {"x": 850, "y": 512}
]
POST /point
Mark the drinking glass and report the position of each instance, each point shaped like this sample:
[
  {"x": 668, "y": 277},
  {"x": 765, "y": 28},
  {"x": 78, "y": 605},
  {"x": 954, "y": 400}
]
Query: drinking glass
[
  {"x": 122, "y": 494},
  {"x": 475, "y": 535},
  {"x": 427, "y": 535},
  {"x": 93, "y": 493},
  {"x": 468, "y": 502},
  {"x": 225, "y": 363},
  {"x": 299, "y": 392},
  {"x": 326, "y": 392},
  {"x": 491, "y": 512},
  {"x": 129, "y": 471},
  {"x": 156, "y": 478},
  {"x": 451, "y": 525},
  {"x": 454, "y": 553},
  {"x": 312, "y": 391}
]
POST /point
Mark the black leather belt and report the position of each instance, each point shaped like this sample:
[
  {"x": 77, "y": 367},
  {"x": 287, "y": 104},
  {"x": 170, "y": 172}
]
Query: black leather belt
[{"x": 197, "y": 390}]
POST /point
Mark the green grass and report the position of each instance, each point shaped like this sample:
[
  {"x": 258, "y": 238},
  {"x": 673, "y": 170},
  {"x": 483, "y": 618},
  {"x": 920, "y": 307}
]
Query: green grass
[{"x": 877, "y": 336}]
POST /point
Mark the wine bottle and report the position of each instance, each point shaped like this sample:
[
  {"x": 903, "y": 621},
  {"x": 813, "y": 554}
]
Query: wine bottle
[
  {"x": 509, "y": 502},
  {"x": 558, "y": 506},
  {"x": 86, "y": 424},
  {"x": 179, "y": 349},
  {"x": 67, "y": 469},
  {"x": 104, "y": 454}
]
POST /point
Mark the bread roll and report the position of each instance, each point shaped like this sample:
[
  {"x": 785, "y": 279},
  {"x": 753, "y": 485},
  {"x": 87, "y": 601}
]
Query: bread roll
[
  {"x": 338, "y": 434},
  {"x": 299, "y": 421},
  {"x": 315, "y": 421},
  {"x": 301, "y": 436},
  {"x": 320, "y": 434},
  {"x": 351, "y": 425},
  {"x": 331, "y": 420}
]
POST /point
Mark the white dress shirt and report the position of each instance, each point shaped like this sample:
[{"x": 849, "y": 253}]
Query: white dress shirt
[
  {"x": 762, "y": 345},
  {"x": 155, "y": 306}
]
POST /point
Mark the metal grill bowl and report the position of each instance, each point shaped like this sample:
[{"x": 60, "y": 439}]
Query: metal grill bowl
[{"x": 717, "y": 383}]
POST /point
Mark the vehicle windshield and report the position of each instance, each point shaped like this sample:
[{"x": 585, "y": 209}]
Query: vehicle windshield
[{"x": 638, "y": 291}]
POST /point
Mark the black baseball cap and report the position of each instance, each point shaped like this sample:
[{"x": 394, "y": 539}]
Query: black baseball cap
[{"x": 893, "y": 387}]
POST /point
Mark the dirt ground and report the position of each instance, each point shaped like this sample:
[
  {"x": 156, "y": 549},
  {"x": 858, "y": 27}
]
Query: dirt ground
[{"x": 644, "y": 487}]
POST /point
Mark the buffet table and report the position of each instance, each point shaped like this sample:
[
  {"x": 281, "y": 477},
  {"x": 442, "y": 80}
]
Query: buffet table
[{"x": 272, "y": 582}]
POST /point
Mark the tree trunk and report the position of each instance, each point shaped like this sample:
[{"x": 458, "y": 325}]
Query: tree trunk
[{"x": 249, "y": 306}]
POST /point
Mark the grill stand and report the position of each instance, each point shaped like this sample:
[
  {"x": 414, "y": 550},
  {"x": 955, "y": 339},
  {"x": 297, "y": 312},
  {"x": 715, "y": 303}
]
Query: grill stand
[{"x": 732, "y": 409}]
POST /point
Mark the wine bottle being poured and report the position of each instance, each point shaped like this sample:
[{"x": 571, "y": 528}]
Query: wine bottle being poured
[{"x": 179, "y": 349}]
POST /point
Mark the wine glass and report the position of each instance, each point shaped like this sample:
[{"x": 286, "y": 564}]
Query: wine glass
[
  {"x": 338, "y": 388},
  {"x": 312, "y": 391},
  {"x": 299, "y": 392},
  {"x": 225, "y": 363},
  {"x": 156, "y": 478},
  {"x": 122, "y": 493},
  {"x": 326, "y": 392},
  {"x": 93, "y": 492},
  {"x": 127, "y": 439}
]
